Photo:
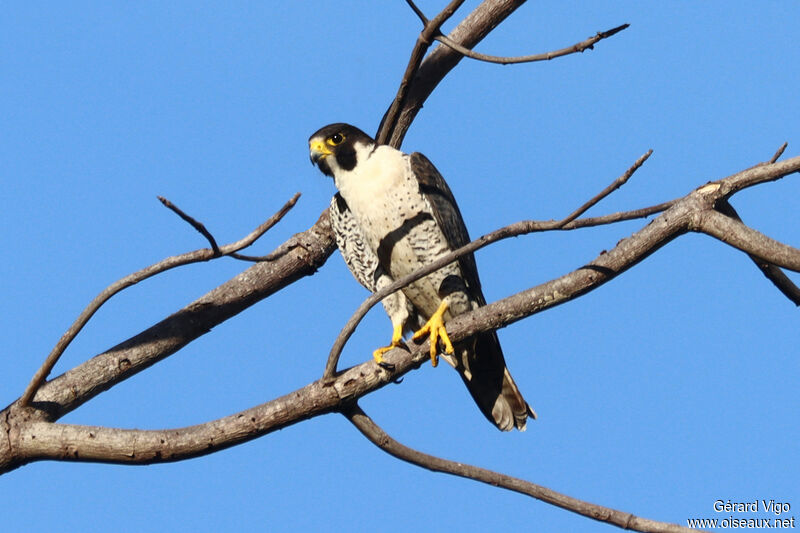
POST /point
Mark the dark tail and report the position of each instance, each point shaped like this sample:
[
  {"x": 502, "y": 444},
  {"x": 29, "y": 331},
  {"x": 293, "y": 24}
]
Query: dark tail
[{"x": 481, "y": 364}]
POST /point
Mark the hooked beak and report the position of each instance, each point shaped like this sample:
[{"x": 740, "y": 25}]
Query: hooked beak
[{"x": 318, "y": 151}]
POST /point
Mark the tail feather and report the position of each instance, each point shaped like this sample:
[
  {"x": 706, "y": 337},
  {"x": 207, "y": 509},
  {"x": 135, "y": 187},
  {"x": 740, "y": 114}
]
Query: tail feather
[{"x": 481, "y": 364}]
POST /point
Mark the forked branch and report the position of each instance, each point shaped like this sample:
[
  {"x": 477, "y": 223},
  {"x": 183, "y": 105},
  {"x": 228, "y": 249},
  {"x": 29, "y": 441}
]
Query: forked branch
[
  {"x": 582, "y": 46},
  {"x": 420, "y": 79},
  {"x": 169, "y": 263},
  {"x": 770, "y": 271}
]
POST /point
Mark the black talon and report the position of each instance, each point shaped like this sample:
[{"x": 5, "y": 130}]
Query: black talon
[{"x": 386, "y": 366}]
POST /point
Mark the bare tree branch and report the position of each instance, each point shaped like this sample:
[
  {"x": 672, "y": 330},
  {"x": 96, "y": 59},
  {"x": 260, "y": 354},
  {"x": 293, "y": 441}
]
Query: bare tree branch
[
  {"x": 27, "y": 431},
  {"x": 21, "y": 424},
  {"x": 199, "y": 226},
  {"x": 274, "y": 219},
  {"x": 779, "y": 152},
  {"x": 420, "y": 48},
  {"x": 748, "y": 240},
  {"x": 770, "y": 271},
  {"x": 748, "y": 178},
  {"x": 680, "y": 218},
  {"x": 616, "y": 184},
  {"x": 439, "y": 62},
  {"x": 382, "y": 440},
  {"x": 418, "y": 83},
  {"x": 308, "y": 252},
  {"x": 141, "y": 275},
  {"x": 587, "y": 44},
  {"x": 619, "y": 216},
  {"x": 418, "y": 12}
]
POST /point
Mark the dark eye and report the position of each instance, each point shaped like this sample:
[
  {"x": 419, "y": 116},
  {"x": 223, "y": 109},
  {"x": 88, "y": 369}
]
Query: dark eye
[{"x": 336, "y": 138}]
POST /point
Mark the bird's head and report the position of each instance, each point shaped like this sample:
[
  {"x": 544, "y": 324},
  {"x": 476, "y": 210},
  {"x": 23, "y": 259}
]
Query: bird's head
[{"x": 335, "y": 147}]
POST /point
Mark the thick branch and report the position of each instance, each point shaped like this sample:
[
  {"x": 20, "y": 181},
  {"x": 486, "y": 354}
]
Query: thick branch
[
  {"x": 420, "y": 48},
  {"x": 770, "y": 271},
  {"x": 382, "y": 440},
  {"x": 748, "y": 240},
  {"x": 30, "y": 439}
]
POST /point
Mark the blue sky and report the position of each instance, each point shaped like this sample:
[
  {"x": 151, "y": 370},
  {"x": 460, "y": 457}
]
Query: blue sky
[{"x": 667, "y": 389}]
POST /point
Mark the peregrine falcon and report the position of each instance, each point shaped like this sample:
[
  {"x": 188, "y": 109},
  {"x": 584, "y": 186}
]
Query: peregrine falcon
[{"x": 394, "y": 214}]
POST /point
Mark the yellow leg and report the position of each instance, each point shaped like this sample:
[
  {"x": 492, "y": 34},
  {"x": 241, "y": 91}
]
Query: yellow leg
[
  {"x": 435, "y": 328},
  {"x": 397, "y": 337}
]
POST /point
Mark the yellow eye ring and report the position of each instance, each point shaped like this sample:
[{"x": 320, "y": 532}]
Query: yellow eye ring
[{"x": 336, "y": 139}]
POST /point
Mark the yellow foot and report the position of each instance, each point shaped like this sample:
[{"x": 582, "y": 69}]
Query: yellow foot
[
  {"x": 435, "y": 328},
  {"x": 397, "y": 338}
]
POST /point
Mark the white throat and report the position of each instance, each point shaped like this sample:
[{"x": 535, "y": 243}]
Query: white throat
[{"x": 377, "y": 172}]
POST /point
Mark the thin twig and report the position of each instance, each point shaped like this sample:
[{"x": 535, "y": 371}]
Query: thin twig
[
  {"x": 192, "y": 221},
  {"x": 588, "y": 44},
  {"x": 513, "y": 230},
  {"x": 620, "y": 216},
  {"x": 424, "y": 41},
  {"x": 773, "y": 159},
  {"x": 417, "y": 11},
  {"x": 169, "y": 263},
  {"x": 275, "y": 254},
  {"x": 382, "y": 440},
  {"x": 779, "y": 153},
  {"x": 250, "y": 258},
  {"x": 616, "y": 184},
  {"x": 263, "y": 228}
]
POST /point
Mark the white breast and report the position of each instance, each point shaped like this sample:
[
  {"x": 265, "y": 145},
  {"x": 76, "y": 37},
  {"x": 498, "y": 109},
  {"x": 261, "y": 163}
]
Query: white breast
[
  {"x": 380, "y": 191},
  {"x": 383, "y": 196}
]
